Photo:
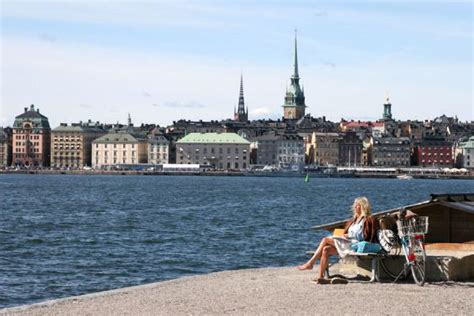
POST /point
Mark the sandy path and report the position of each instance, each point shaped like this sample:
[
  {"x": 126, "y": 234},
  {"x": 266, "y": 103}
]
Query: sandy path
[{"x": 264, "y": 291}]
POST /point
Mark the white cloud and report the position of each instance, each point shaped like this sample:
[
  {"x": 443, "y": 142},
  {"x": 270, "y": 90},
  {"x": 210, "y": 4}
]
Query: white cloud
[{"x": 262, "y": 111}]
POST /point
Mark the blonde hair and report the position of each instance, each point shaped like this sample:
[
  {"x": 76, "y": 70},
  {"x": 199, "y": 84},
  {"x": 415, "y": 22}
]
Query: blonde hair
[{"x": 365, "y": 209}]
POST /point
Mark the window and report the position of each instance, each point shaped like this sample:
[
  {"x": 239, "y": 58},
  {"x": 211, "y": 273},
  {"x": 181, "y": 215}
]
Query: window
[{"x": 236, "y": 165}]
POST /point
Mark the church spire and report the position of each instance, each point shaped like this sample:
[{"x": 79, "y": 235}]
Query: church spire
[
  {"x": 241, "y": 114},
  {"x": 295, "y": 65},
  {"x": 241, "y": 95}
]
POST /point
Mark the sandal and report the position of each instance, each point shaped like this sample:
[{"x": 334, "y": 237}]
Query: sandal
[
  {"x": 321, "y": 281},
  {"x": 339, "y": 281}
]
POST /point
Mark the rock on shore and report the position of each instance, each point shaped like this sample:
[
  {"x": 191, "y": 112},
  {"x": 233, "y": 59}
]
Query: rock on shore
[{"x": 263, "y": 291}]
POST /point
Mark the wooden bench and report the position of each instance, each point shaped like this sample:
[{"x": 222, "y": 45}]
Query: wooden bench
[{"x": 373, "y": 257}]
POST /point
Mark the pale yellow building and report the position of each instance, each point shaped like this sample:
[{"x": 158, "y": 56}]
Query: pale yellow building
[{"x": 119, "y": 148}]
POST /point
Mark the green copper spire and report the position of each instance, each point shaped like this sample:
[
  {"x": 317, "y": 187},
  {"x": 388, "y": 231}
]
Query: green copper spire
[{"x": 294, "y": 106}]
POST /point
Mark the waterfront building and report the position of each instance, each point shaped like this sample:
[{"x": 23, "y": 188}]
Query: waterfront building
[
  {"x": 291, "y": 150},
  {"x": 242, "y": 114},
  {"x": 267, "y": 149},
  {"x": 350, "y": 149},
  {"x": 225, "y": 151},
  {"x": 323, "y": 148},
  {"x": 158, "y": 150},
  {"x": 467, "y": 152},
  {"x": 391, "y": 152},
  {"x": 119, "y": 148},
  {"x": 71, "y": 145},
  {"x": 294, "y": 106},
  {"x": 31, "y": 140},
  {"x": 5, "y": 147},
  {"x": 280, "y": 150},
  {"x": 433, "y": 151}
]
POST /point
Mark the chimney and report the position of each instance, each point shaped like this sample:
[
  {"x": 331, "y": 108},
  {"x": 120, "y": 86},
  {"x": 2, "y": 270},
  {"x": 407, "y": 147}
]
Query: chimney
[
  {"x": 32, "y": 107},
  {"x": 26, "y": 110}
]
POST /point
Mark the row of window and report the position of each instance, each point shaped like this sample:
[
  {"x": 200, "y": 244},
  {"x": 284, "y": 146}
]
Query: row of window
[
  {"x": 67, "y": 139},
  {"x": 66, "y": 153},
  {"x": 293, "y": 151},
  {"x": 221, "y": 150},
  {"x": 115, "y": 161},
  {"x": 24, "y": 143},
  {"x": 32, "y": 150},
  {"x": 435, "y": 161},
  {"x": 205, "y": 157},
  {"x": 158, "y": 156},
  {"x": 115, "y": 145},
  {"x": 67, "y": 147},
  {"x": 394, "y": 155},
  {"x": 27, "y": 137},
  {"x": 435, "y": 154},
  {"x": 106, "y": 153}
]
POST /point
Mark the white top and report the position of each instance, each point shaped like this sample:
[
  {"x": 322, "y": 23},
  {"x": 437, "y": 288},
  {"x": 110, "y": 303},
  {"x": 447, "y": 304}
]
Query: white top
[{"x": 356, "y": 230}]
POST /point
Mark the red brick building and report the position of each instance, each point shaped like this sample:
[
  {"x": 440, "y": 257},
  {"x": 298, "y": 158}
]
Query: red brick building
[{"x": 433, "y": 152}]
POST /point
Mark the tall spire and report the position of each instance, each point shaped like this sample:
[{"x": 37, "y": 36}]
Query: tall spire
[
  {"x": 295, "y": 70},
  {"x": 242, "y": 114},
  {"x": 241, "y": 94}
]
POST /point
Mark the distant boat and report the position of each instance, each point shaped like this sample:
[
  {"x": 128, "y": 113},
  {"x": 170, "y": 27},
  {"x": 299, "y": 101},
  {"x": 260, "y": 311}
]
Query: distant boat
[
  {"x": 404, "y": 177},
  {"x": 306, "y": 179}
]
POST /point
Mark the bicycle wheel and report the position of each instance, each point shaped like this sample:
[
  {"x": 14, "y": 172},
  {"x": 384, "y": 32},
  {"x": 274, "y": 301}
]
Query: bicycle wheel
[
  {"x": 394, "y": 269},
  {"x": 418, "y": 267}
]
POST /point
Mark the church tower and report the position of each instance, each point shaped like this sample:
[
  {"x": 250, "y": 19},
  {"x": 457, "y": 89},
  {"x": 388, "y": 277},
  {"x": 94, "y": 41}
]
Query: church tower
[
  {"x": 387, "y": 110},
  {"x": 294, "y": 107},
  {"x": 242, "y": 114}
]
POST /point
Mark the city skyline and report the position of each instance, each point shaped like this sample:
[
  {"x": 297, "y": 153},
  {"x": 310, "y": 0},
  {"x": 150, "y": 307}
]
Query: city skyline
[{"x": 164, "y": 62}]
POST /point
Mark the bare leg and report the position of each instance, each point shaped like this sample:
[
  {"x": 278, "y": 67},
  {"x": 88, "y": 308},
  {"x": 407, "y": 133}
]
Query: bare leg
[
  {"x": 327, "y": 252},
  {"x": 326, "y": 241}
]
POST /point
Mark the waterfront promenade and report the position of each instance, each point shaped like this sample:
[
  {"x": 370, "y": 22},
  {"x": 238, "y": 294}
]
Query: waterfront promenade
[{"x": 263, "y": 291}]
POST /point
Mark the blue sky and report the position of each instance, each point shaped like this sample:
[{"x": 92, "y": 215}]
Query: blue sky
[{"x": 162, "y": 61}]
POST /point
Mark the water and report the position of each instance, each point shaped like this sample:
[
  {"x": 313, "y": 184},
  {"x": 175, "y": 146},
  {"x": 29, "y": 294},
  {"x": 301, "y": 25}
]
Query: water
[{"x": 68, "y": 235}]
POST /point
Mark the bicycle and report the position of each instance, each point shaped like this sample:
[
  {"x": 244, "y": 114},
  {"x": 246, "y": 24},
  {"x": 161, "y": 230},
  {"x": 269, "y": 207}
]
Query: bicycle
[{"x": 411, "y": 232}]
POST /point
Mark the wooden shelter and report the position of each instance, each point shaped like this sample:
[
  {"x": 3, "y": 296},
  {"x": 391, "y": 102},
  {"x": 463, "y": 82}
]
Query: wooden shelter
[{"x": 451, "y": 217}]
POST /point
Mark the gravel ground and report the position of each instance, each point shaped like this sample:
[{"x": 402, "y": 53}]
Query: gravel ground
[{"x": 264, "y": 291}]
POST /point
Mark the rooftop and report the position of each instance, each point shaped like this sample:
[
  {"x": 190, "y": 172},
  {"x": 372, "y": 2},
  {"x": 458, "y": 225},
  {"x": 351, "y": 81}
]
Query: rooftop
[
  {"x": 213, "y": 138},
  {"x": 115, "y": 137}
]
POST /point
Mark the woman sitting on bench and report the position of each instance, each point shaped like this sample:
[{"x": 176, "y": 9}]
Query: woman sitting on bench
[{"x": 362, "y": 227}]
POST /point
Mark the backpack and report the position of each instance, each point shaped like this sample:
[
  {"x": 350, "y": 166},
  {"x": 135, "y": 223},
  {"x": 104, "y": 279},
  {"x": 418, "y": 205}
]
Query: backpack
[{"x": 388, "y": 239}]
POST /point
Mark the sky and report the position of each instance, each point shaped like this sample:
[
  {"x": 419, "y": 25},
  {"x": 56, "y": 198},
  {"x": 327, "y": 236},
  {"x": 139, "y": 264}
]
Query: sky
[{"x": 162, "y": 61}]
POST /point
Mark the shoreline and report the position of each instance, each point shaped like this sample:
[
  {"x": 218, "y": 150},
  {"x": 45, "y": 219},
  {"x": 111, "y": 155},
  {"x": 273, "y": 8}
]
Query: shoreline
[
  {"x": 261, "y": 291},
  {"x": 230, "y": 174}
]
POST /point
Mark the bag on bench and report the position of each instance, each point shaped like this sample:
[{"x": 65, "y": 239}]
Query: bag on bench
[{"x": 366, "y": 247}]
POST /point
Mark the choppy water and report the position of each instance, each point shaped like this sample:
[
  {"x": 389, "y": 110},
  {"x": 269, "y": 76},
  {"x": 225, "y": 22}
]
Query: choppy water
[{"x": 70, "y": 235}]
